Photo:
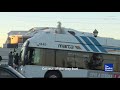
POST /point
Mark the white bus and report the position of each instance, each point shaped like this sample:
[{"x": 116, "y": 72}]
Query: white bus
[{"x": 63, "y": 53}]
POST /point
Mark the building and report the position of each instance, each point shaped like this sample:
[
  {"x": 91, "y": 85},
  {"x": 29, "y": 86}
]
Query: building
[{"x": 16, "y": 39}]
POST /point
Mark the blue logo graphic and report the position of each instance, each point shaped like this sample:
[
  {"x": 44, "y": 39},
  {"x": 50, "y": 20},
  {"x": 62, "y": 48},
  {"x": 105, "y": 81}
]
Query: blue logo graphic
[{"x": 108, "y": 67}]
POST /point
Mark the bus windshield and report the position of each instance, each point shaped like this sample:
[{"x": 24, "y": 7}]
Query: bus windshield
[
  {"x": 24, "y": 52},
  {"x": 33, "y": 56},
  {"x": 37, "y": 56}
]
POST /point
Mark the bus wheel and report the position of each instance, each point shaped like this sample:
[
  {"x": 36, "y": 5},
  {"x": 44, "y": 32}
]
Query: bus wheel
[{"x": 53, "y": 74}]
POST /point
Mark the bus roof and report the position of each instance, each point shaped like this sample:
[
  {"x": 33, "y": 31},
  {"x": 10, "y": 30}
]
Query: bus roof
[{"x": 70, "y": 39}]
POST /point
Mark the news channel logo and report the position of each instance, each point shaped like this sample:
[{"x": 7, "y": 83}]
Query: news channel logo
[{"x": 108, "y": 67}]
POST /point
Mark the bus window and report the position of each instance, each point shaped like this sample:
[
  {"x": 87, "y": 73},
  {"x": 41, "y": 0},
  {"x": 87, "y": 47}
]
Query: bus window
[
  {"x": 65, "y": 58},
  {"x": 96, "y": 61},
  {"x": 34, "y": 56},
  {"x": 70, "y": 59},
  {"x": 49, "y": 57},
  {"x": 24, "y": 52},
  {"x": 30, "y": 55},
  {"x": 61, "y": 57},
  {"x": 37, "y": 57}
]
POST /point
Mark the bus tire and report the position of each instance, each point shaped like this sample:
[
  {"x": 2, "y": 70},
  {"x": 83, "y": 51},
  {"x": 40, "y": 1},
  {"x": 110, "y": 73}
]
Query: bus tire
[{"x": 53, "y": 74}]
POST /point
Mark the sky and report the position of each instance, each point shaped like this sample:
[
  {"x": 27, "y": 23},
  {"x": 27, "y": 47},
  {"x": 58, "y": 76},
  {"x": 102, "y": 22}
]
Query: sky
[{"x": 107, "y": 23}]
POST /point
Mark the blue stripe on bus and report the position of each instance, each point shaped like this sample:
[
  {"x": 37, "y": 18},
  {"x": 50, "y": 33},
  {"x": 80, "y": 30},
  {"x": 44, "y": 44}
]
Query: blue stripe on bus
[
  {"x": 94, "y": 41},
  {"x": 89, "y": 43},
  {"x": 81, "y": 43},
  {"x": 97, "y": 44}
]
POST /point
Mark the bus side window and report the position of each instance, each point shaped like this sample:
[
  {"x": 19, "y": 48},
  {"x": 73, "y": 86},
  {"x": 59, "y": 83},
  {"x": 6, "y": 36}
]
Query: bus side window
[
  {"x": 36, "y": 57},
  {"x": 28, "y": 56},
  {"x": 31, "y": 56}
]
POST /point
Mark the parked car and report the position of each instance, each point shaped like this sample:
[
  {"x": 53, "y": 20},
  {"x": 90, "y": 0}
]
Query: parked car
[{"x": 7, "y": 71}]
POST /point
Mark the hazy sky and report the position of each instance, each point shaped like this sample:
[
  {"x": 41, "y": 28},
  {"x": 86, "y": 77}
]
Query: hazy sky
[{"x": 107, "y": 23}]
